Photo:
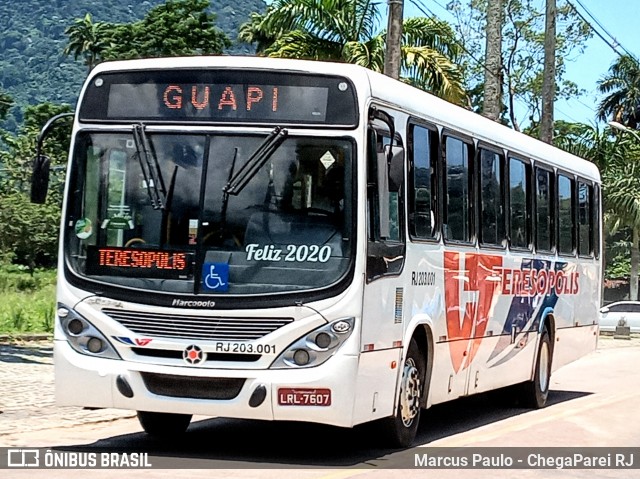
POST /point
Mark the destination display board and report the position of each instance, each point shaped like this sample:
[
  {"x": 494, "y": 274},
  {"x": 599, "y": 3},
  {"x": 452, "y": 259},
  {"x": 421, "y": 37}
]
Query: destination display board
[
  {"x": 220, "y": 96},
  {"x": 139, "y": 262}
]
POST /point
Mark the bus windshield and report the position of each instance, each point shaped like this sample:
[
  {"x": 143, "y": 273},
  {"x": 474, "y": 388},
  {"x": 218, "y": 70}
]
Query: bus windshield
[{"x": 153, "y": 210}]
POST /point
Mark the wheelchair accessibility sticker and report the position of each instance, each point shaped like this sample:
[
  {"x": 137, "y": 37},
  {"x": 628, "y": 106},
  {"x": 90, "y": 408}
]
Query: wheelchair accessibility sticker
[{"x": 215, "y": 277}]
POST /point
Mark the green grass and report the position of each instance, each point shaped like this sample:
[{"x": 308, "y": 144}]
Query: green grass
[{"x": 27, "y": 301}]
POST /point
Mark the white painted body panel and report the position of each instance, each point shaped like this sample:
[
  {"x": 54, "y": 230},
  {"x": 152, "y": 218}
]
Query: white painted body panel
[{"x": 363, "y": 375}]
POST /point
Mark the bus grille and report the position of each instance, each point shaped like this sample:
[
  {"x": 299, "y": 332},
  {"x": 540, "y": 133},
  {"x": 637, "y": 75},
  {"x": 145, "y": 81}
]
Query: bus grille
[
  {"x": 192, "y": 387},
  {"x": 172, "y": 354},
  {"x": 196, "y": 327}
]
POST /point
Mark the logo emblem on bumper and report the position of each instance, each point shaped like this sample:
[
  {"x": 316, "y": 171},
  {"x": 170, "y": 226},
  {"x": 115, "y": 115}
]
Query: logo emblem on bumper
[{"x": 193, "y": 355}]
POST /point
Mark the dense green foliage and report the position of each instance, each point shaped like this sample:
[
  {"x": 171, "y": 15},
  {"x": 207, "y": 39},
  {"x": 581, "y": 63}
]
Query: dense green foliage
[
  {"x": 33, "y": 67},
  {"x": 522, "y": 52},
  {"x": 28, "y": 232},
  {"x": 174, "y": 28},
  {"x": 621, "y": 87},
  {"x": 27, "y": 300},
  {"x": 349, "y": 31}
]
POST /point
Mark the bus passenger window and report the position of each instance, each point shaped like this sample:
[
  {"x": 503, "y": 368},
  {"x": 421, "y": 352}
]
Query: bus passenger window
[
  {"x": 585, "y": 193},
  {"x": 595, "y": 217},
  {"x": 423, "y": 155},
  {"x": 458, "y": 194},
  {"x": 491, "y": 198},
  {"x": 519, "y": 228},
  {"x": 565, "y": 215},
  {"x": 544, "y": 211}
]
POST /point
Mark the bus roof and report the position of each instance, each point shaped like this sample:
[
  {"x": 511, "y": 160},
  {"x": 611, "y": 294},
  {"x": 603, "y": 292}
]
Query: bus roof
[
  {"x": 414, "y": 101},
  {"x": 448, "y": 115}
]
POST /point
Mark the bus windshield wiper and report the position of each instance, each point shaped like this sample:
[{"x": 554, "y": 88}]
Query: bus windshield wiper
[
  {"x": 256, "y": 161},
  {"x": 150, "y": 167}
]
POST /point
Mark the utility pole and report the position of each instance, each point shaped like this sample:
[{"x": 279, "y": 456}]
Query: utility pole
[
  {"x": 394, "y": 39},
  {"x": 549, "y": 74},
  {"x": 492, "y": 104}
]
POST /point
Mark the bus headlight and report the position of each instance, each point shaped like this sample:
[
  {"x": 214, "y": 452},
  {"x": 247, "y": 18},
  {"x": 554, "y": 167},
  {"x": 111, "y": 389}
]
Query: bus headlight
[
  {"x": 316, "y": 347},
  {"x": 83, "y": 336}
]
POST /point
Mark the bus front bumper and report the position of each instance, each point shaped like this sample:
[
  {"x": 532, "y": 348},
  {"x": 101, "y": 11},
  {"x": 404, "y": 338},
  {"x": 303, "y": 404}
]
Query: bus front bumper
[{"x": 284, "y": 394}]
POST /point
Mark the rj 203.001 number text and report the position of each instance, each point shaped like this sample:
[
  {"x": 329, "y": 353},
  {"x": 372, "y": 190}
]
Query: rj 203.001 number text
[{"x": 248, "y": 348}]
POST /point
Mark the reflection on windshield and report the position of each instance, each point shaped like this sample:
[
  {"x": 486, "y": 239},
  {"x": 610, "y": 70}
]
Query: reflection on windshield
[{"x": 287, "y": 228}]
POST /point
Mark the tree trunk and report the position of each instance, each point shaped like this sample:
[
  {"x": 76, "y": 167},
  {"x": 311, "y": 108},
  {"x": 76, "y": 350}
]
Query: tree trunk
[
  {"x": 549, "y": 75},
  {"x": 635, "y": 260},
  {"x": 493, "y": 60},
  {"x": 394, "y": 39}
]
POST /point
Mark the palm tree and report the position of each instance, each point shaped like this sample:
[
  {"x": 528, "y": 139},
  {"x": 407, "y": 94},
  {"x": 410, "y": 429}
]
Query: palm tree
[
  {"x": 619, "y": 163},
  {"x": 622, "y": 177},
  {"x": 621, "y": 188},
  {"x": 347, "y": 30},
  {"x": 87, "y": 40},
  {"x": 622, "y": 89}
]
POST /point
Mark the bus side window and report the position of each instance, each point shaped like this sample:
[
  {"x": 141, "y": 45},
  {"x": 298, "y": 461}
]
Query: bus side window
[
  {"x": 585, "y": 218},
  {"x": 423, "y": 153},
  {"x": 597, "y": 221},
  {"x": 492, "y": 216},
  {"x": 545, "y": 228},
  {"x": 519, "y": 214},
  {"x": 566, "y": 215},
  {"x": 457, "y": 157}
]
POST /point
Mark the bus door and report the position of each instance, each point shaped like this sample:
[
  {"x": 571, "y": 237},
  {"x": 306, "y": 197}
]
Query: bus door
[
  {"x": 385, "y": 232},
  {"x": 382, "y": 326}
]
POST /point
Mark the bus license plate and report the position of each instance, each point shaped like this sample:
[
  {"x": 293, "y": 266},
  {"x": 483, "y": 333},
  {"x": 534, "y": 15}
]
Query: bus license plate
[{"x": 304, "y": 397}]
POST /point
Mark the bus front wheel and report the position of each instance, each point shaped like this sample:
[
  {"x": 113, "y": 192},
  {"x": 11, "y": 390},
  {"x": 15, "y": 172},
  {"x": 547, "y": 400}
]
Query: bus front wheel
[
  {"x": 163, "y": 424},
  {"x": 400, "y": 429}
]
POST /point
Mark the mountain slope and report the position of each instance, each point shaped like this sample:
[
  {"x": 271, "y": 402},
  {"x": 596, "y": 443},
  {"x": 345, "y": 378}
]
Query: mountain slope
[{"x": 33, "y": 68}]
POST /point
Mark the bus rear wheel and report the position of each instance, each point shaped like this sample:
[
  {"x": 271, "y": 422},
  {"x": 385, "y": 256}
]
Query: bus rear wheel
[
  {"x": 162, "y": 424},
  {"x": 534, "y": 393},
  {"x": 400, "y": 430}
]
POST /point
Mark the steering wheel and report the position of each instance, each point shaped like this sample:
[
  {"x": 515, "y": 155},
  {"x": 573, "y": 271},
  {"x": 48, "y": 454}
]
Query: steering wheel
[
  {"x": 317, "y": 211},
  {"x": 134, "y": 241}
]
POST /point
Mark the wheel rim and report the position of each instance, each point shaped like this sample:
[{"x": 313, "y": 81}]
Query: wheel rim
[
  {"x": 410, "y": 393},
  {"x": 543, "y": 373}
]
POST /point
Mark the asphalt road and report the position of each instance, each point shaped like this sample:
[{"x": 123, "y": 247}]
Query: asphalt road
[{"x": 594, "y": 402}]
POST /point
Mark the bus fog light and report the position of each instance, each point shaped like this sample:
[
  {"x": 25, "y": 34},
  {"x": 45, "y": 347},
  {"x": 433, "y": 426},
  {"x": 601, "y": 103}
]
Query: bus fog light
[
  {"x": 317, "y": 346},
  {"x": 323, "y": 340},
  {"x": 83, "y": 336},
  {"x": 301, "y": 357},
  {"x": 75, "y": 326},
  {"x": 94, "y": 345}
]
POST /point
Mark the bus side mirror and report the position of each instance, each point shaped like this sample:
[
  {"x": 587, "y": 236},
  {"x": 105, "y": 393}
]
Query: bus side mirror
[
  {"x": 42, "y": 163},
  {"x": 395, "y": 155},
  {"x": 40, "y": 179}
]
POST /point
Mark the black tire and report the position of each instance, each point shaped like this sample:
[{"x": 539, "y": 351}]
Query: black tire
[
  {"x": 162, "y": 424},
  {"x": 534, "y": 394},
  {"x": 400, "y": 430}
]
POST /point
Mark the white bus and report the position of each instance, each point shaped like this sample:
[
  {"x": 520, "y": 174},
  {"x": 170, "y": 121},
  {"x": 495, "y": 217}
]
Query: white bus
[{"x": 306, "y": 241}]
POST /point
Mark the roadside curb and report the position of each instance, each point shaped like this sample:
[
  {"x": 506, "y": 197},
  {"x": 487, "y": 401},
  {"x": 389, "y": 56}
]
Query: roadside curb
[{"x": 24, "y": 338}]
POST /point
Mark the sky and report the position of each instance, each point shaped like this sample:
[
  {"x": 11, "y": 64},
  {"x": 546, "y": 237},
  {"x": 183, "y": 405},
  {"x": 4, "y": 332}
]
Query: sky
[{"x": 620, "y": 18}]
